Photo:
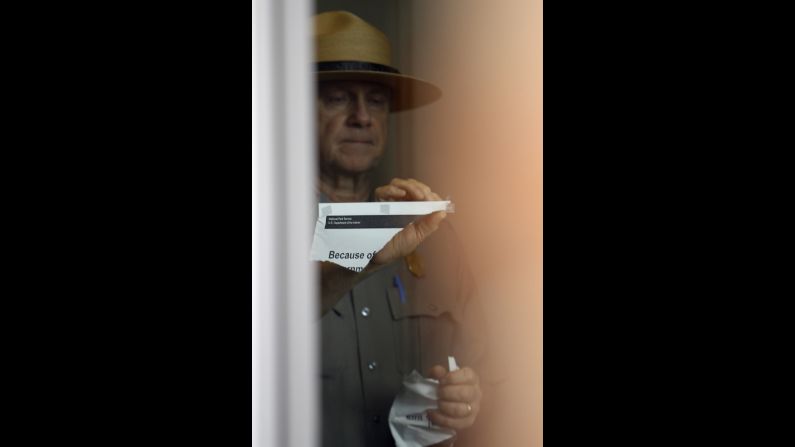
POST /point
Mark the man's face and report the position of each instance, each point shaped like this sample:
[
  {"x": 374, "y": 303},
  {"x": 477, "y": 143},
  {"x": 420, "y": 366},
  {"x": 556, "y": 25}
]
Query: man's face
[{"x": 352, "y": 122}]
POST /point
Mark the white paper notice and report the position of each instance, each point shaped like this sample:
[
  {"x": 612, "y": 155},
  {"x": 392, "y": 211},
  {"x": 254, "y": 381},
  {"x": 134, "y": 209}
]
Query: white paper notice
[{"x": 349, "y": 234}]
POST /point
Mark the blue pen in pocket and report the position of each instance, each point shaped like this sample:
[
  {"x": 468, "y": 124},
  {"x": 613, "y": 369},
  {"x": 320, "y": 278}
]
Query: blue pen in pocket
[{"x": 399, "y": 284}]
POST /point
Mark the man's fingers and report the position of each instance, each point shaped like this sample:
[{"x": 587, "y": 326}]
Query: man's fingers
[
  {"x": 446, "y": 421},
  {"x": 423, "y": 187},
  {"x": 458, "y": 393},
  {"x": 417, "y": 190},
  {"x": 409, "y": 238},
  {"x": 420, "y": 229},
  {"x": 389, "y": 192},
  {"x": 455, "y": 409},
  {"x": 436, "y": 372},
  {"x": 462, "y": 376},
  {"x": 405, "y": 189},
  {"x": 427, "y": 224},
  {"x": 413, "y": 234}
]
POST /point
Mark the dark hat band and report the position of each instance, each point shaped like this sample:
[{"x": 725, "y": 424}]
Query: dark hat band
[{"x": 354, "y": 66}]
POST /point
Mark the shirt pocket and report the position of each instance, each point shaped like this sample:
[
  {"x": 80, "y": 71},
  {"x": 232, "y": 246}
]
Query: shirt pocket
[{"x": 424, "y": 329}]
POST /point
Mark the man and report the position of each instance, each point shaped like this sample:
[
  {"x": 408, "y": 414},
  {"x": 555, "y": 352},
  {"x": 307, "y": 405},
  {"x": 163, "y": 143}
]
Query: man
[{"x": 415, "y": 303}]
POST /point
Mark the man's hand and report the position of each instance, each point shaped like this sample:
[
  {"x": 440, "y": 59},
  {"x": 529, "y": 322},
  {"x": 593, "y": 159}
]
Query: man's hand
[
  {"x": 336, "y": 280},
  {"x": 459, "y": 397},
  {"x": 407, "y": 240}
]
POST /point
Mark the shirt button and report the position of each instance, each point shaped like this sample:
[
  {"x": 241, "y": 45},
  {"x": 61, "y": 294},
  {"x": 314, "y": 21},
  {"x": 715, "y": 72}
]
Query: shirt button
[
  {"x": 372, "y": 365},
  {"x": 365, "y": 311}
]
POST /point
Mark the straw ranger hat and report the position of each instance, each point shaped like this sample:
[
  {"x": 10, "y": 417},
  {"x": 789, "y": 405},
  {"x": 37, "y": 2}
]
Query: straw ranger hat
[{"x": 348, "y": 48}]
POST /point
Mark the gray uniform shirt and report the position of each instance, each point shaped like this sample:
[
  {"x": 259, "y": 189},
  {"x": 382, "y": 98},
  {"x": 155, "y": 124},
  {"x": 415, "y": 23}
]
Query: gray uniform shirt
[{"x": 388, "y": 325}]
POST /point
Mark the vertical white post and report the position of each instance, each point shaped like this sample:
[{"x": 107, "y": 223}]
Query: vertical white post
[
  {"x": 264, "y": 334},
  {"x": 303, "y": 311},
  {"x": 285, "y": 403}
]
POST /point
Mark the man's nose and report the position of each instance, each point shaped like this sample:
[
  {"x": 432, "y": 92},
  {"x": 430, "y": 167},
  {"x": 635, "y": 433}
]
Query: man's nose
[{"x": 360, "y": 115}]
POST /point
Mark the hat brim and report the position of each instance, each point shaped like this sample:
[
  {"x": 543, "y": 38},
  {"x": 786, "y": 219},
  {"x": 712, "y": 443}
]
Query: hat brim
[{"x": 407, "y": 92}]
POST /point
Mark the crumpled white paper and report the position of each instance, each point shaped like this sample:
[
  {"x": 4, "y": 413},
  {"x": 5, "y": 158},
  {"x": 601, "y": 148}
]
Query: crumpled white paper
[
  {"x": 349, "y": 234},
  {"x": 408, "y": 417}
]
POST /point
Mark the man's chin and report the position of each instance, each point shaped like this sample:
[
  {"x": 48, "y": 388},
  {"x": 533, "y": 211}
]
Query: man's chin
[
  {"x": 356, "y": 167},
  {"x": 354, "y": 170}
]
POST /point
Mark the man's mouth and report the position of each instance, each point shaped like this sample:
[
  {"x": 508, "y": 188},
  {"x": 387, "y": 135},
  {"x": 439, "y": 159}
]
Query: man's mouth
[{"x": 358, "y": 141}]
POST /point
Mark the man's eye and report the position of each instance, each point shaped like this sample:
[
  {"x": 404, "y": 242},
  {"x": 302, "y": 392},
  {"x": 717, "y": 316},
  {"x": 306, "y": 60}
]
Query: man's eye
[
  {"x": 378, "y": 100},
  {"x": 336, "y": 99}
]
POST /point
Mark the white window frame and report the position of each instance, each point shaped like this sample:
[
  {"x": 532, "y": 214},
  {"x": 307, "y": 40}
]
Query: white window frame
[{"x": 285, "y": 400}]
